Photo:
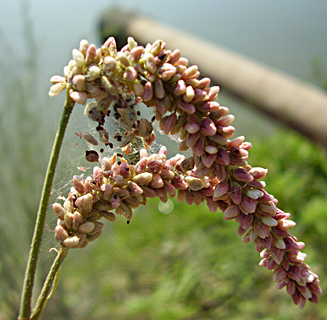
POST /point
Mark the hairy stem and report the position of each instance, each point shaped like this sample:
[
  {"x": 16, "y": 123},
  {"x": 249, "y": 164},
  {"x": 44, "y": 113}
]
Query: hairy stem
[
  {"x": 26, "y": 297},
  {"x": 49, "y": 284}
]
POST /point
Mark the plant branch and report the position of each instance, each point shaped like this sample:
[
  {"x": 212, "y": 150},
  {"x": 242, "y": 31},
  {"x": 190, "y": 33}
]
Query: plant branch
[
  {"x": 26, "y": 297},
  {"x": 49, "y": 283}
]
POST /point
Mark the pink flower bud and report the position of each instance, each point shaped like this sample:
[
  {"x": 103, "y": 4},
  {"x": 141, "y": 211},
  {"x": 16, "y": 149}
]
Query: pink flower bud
[
  {"x": 149, "y": 63},
  {"x": 244, "y": 220},
  {"x": 187, "y": 107},
  {"x": 78, "y": 97},
  {"x": 192, "y": 126},
  {"x": 130, "y": 74},
  {"x": 248, "y": 205},
  {"x": 169, "y": 188},
  {"x": 190, "y": 72},
  {"x": 71, "y": 242},
  {"x": 235, "y": 192},
  {"x": 159, "y": 89},
  {"x": 85, "y": 202},
  {"x": 189, "y": 94},
  {"x": 227, "y": 120},
  {"x": 269, "y": 207},
  {"x": 226, "y": 131},
  {"x": 277, "y": 255},
  {"x": 258, "y": 173},
  {"x": 231, "y": 212},
  {"x": 122, "y": 58},
  {"x": 255, "y": 194},
  {"x": 261, "y": 229},
  {"x": 169, "y": 74},
  {"x": 57, "y": 88},
  {"x": 160, "y": 106},
  {"x": 220, "y": 171},
  {"x": 174, "y": 56},
  {"x": 204, "y": 83},
  {"x": 148, "y": 92},
  {"x": 280, "y": 244},
  {"x": 58, "y": 210},
  {"x": 220, "y": 190},
  {"x": 269, "y": 221},
  {"x": 212, "y": 205},
  {"x": 86, "y": 227},
  {"x": 61, "y": 233},
  {"x": 198, "y": 148},
  {"x": 57, "y": 79},
  {"x": 181, "y": 195},
  {"x": 236, "y": 142},
  {"x": 284, "y": 224},
  {"x": 199, "y": 95},
  {"x": 209, "y": 106},
  {"x": 78, "y": 57},
  {"x": 213, "y": 93},
  {"x": 279, "y": 274},
  {"x": 208, "y": 127},
  {"x": 170, "y": 123},
  {"x": 180, "y": 88},
  {"x": 211, "y": 149},
  {"x": 136, "y": 53},
  {"x": 242, "y": 174},
  {"x": 143, "y": 178},
  {"x": 208, "y": 159},
  {"x": 297, "y": 256},
  {"x": 134, "y": 189}
]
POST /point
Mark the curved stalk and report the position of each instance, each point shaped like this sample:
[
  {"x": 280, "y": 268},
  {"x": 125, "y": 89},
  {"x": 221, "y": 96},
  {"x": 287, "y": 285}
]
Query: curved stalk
[
  {"x": 49, "y": 284},
  {"x": 25, "y": 305}
]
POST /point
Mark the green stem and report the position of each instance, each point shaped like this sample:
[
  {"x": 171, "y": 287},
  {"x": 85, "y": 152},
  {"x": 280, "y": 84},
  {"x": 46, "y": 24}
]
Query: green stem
[
  {"x": 26, "y": 297},
  {"x": 49, "y": 283}
]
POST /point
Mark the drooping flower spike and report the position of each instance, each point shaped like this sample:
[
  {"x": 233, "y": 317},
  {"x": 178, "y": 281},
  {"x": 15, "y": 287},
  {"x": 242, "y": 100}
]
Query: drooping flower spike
[{"x": 218, "y": 171}]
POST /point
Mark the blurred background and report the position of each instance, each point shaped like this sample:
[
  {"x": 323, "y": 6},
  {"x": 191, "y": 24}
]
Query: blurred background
[{"x": 188, "y": 264}]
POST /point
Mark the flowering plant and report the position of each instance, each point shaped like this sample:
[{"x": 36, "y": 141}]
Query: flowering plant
[{"x": 217, "y": 172}]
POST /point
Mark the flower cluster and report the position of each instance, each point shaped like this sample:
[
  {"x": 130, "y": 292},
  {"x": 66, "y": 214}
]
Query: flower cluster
[
  {"x": 120, "y": 187},
  {"x": 218, "y": 171}
]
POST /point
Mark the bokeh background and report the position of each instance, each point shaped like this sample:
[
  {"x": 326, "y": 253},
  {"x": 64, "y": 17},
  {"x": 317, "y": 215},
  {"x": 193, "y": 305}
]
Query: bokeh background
[{"x": 188, "y": 264}]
